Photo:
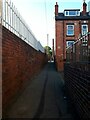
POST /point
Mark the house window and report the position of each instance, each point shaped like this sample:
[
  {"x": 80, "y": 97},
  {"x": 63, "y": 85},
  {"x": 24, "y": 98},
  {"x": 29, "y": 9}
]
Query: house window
[
  {"x": 66, "y": 13},
  {"x": 70, "y": 30},
  {"x": 69, "y": 43},
  {"x": 72, "y": 13},
  {"x": 84, "y": 29}
]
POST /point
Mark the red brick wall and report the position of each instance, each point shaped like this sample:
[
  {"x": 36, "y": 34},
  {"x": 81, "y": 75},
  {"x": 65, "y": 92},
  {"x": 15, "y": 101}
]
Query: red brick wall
[
  {"x": 20, "y": 62},
  {"x": 0, "y": 70},
  {"x": 59, "y": 45},
  {"x": 89, "y": 25},
  {"x": 76, "y": 33},
  {"x": 61, "y": 38}
]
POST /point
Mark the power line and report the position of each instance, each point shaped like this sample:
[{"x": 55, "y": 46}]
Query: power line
[
  {"x": 46, "y": 22},
  {"x": 46, "y": 14}
]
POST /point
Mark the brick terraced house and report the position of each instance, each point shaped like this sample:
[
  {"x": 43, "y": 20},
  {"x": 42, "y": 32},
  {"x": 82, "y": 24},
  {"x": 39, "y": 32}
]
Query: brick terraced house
[{"x": 69, "y": 26}]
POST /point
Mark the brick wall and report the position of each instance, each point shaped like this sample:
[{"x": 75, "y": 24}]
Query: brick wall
[
  {"x": 0, "y": 71},
  {"x": 20, "y": 62},
  {"x": 61, "y": 38},
  {"x": 77, "y": 82},
  {"x": 59, "y": 45}
]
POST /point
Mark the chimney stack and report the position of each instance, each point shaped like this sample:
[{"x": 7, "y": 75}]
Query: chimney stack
[
  {"x": 56, "y": 9},
  {"x": 84, "y": 8}
]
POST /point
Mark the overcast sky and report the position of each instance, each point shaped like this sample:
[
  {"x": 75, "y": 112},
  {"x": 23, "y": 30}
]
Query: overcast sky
[{"x": 39, "y": 15}]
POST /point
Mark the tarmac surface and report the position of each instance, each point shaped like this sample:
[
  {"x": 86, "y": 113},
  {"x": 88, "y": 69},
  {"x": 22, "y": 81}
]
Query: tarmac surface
[{"x": 44, "y": 97}]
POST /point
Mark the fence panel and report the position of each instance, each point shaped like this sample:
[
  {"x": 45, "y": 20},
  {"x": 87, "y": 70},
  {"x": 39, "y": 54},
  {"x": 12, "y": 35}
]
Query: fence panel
[{"x": 13, "y": 21}]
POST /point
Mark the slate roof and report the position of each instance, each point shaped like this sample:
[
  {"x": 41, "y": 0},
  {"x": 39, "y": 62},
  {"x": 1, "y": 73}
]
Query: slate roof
[{"x": 61, "y": 16}]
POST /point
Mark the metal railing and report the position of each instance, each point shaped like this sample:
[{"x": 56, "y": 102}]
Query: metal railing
[
  {"x": 12, "y": 20},
  {"x": 80, "y": 50}
]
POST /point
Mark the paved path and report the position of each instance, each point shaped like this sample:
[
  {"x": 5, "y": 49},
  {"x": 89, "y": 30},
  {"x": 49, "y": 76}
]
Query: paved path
[{"x": 43, "y": 98}]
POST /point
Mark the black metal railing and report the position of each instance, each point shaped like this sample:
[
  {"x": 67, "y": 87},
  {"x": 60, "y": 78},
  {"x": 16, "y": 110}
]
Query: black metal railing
[
  {"x": 77, "y": 75},
  {"x": 79, "y": 52}
]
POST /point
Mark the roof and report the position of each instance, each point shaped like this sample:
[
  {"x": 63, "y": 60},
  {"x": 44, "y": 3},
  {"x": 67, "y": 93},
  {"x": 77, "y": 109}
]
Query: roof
[
  {"x": 61, "y": 16},
  {"x": 72, "y": 10}
]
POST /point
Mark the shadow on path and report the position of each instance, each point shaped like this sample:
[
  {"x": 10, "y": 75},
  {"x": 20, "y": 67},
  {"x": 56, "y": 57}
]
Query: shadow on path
[{"x": 44, "y": 97}]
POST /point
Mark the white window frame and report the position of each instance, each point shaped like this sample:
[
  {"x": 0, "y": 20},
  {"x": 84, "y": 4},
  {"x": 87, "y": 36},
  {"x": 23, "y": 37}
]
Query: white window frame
[
  {"x": 68, "y": 29},
  {"x": 83, "y": 31},
  {"x": 72, "y": 15},
  {"x": 69, "y": 43}
]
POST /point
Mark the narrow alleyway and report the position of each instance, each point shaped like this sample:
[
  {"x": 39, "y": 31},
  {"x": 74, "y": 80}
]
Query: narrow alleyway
[{"x": 43, "y": 98}]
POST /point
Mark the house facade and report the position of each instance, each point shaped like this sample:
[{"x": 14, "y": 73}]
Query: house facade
[{"x": 69, "y": 26}]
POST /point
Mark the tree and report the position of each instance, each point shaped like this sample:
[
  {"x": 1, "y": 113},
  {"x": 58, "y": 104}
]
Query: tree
[{"x": 48, "y": 50}]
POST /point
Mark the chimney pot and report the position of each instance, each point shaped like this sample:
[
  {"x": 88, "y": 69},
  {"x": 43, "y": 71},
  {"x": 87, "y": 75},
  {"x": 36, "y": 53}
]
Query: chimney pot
[
  {"x": 84, "y": 8},
  {"x": 56, "y": 9}
]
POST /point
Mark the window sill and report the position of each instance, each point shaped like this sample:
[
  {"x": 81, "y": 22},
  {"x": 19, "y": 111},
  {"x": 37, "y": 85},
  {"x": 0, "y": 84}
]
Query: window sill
[{"x": 70, "y": 35}]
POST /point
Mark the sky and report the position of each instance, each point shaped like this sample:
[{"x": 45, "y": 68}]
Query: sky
[{"x": 40, "y": 17}]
